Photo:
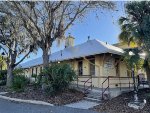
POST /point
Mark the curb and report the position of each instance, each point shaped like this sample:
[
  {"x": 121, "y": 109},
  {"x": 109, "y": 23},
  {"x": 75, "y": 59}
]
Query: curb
[{"x": 26, "y": 101}]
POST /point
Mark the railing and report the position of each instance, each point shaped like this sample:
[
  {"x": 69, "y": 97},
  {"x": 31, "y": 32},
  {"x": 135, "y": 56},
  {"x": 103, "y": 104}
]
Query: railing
[
  {"x": 106, "y": 84},
  {"x": 88, "y": 81},
  {"x": 85, "y": 82},
  {"x": 109, "y": 84},
  {"x": 103, "y": 90}
]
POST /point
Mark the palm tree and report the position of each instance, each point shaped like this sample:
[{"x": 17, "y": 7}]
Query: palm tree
[{"x": 135, "y": 28}]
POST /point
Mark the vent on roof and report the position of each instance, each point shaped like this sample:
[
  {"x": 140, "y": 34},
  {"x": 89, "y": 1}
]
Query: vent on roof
[
  {"x": 61, "y": 52},
  {"x": 88, "y": 38}
]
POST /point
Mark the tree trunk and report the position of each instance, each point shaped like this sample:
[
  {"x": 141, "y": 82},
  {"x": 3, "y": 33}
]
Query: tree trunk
[
  {"x": 9, "y": 76},
  {"x": 45, "y": 65},
  {"x": 45, "y": 58}
]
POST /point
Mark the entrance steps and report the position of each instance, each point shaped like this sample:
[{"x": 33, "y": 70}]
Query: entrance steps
[{"x": 94, "y": 96}]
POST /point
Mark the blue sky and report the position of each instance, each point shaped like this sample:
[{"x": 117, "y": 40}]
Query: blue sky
[{"x": 104, "y": 28}]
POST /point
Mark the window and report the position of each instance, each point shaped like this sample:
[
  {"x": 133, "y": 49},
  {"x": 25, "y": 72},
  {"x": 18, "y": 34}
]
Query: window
[
  {"x": 32, "y": 71},
  {"x": 92, "y": 66},
  {"x": 41, "y": 69},
  {"x": 117, "y": 67},
  {"x": 36, "y": 70},
  {"x": 80, "y": 68},
  {"x": 117, "y": 70}
]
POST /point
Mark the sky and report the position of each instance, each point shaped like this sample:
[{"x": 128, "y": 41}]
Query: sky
[{"x": 104, "y": 28}]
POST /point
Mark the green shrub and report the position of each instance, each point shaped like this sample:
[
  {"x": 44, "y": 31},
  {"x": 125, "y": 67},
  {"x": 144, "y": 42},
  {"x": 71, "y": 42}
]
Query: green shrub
[
  {"x": 58, "y": 77},
  {"x": 34, "y": 76},
  {"x": 19, "y": 83},
  {"x": 3, "y": 76},
  {"x": 37, "y": 82},
  {"x": 18, "y": 71}
]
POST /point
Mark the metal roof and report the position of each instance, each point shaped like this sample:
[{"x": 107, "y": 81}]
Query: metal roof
[{"x": 91, "y": 47}]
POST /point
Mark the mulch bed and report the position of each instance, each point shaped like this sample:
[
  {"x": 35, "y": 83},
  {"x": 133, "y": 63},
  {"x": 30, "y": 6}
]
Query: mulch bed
[
  {"x": 31, "y": 93},
  {"x": 120, "y": 104},
  {"x": 3, "y": 89}
]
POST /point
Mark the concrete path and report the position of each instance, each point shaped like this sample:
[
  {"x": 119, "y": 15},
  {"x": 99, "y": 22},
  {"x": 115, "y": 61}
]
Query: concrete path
[
  {"x": 83, "y": 104},
  {"x": 15, "y": 107}
]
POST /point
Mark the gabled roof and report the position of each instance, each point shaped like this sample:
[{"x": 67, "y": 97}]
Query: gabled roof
[{"x": 91, "y": 47}]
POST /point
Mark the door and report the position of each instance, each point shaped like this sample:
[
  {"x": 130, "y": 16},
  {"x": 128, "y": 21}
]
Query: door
[
  {"x": 92, "y": 66},
  {"x": 80, "y": 68},
  {"x": 117, "y": 68}
]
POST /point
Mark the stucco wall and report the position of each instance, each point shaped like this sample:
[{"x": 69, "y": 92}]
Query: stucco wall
[
  {"x": 104, "y": 66},
  {"x": 123, "y": 69}
]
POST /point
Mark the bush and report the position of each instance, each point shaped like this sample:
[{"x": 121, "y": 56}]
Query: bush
[
  {"x": 18, "y": 71},
  {"x": 58, "y": 77},
  {"x": 3, "y": 76},
  {"x": 37, "y": 82},
  {"x": 34, "y": 76},
  {"x": 19, "y": 83}
]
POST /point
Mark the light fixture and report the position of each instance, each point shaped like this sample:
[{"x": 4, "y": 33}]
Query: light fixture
[
  {"x": 136, "y": 101},
  {"x": 131, "y": 53}
]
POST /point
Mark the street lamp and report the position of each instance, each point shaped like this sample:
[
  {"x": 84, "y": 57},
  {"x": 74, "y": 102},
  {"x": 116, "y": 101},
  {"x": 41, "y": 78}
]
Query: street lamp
[
  {"x": 134, "y": 81},
  {"x": 136, "y": 103}
]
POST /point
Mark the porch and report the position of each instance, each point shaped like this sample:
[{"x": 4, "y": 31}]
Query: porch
[{"x": 101, "y": 86}]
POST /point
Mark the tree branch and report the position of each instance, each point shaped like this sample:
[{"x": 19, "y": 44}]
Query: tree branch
[
  {"x": 22, "y": 59},
  {"x": 75, "y": 16},
  {"x": 57, "y": 6}
]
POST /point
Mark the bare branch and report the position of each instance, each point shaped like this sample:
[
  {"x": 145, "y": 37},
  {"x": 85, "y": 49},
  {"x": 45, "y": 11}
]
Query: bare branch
[
  {"x": 22, "y": 59},
  {"x": 57, "y": 6}
]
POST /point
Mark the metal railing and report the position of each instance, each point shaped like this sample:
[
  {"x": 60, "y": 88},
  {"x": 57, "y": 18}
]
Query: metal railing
[
  {"x": 108, "y": 79},
  {"x": 108, "y": 82},
  {"x": 103, "y": 90},
  {"x": 85, "y": 82},
  {"x": 88, "y": 81}
]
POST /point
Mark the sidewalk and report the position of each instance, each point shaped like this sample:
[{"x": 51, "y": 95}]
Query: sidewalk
[{"x": 83, "y": 104}]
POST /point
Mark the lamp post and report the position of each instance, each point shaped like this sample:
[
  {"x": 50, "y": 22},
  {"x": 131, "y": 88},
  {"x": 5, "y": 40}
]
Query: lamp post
[
  {"x": 136, "y": 103},
  {"x": 134, "y": 81}
]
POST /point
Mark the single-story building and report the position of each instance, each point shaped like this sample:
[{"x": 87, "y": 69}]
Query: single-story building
[{"x": 97, "y": 64}]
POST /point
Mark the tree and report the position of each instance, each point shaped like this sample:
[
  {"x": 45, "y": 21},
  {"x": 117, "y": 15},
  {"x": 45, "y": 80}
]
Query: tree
[
  {"x": 13, "y": 42},
  {"x": 132, "y": 59},
  {"x": 135, "y": 28},
  {"x": 48, "y": 21}
]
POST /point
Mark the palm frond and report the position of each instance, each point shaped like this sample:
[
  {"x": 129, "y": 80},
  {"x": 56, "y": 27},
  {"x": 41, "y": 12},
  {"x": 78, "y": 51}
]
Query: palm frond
[
  {"x": 124, "y": 36},
  {"x": 122, "y": 20}
]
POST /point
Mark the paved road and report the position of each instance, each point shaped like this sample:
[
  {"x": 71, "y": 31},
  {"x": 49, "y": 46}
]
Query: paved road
[{"x": 15, "y": 107}]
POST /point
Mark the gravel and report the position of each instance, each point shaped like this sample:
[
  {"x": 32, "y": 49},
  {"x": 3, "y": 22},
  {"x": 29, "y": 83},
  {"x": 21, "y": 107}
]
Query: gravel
[{"x": 3, "y": 89}]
